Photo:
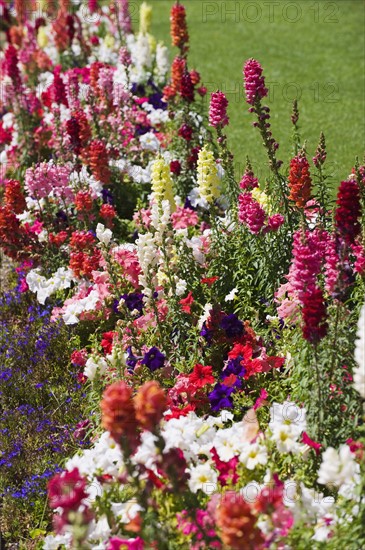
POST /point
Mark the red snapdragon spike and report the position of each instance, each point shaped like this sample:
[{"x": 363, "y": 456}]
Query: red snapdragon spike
[
  {"x": 300, "y": 181},
  {"x": 348, "y": 211},
  {"x": 178, "y": 27},
  {"x": 314, "y": 314},
  {"x": 187, "y": 87}
]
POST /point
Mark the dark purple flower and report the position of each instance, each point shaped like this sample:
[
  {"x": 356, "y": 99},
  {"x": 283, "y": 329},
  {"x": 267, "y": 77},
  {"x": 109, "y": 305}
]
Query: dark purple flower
[
  {"x": 133, "y": 301},
  {"x": 232, "y": 326},
  {"x": 234, "y": 367},
  {"x": 206, "y": 333},
  {"x": 131, "y": 360},
  {"x": 153, "y": 359},
  {"x": 220, "y": 397}
]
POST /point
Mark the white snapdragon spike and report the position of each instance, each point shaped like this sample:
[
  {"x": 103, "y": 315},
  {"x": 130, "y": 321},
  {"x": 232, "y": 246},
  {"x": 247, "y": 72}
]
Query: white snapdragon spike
[
  {"x": 103, "y": 234},
  {"x": 149, "y": 142},
  {"x": 99, "y": 529},
  {"x": 359, "y": 371},
  {"x": 181, "y": 286},
  {"x": 338, "y": 468},
  {"x": 94, "y": 365},
  {"x": 196, "y": 245},
  {"x": 162, "y": 63},
  {"x": 203, "y": 477}
]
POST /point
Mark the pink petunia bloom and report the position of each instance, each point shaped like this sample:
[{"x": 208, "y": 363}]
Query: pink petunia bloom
[{"x": 184, "y": 217}]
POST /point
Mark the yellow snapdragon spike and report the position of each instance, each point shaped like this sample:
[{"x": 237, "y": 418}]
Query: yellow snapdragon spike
[
  {"x": 208, "y": 180},
  {"x": 162, "y": 186},
  {"x": 42, "y": 37},
  {"x": 145, "y": 18}
]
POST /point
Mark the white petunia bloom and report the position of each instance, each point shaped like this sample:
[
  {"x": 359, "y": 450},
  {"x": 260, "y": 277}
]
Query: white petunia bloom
[
  {"x": 203, "y": 477},
  {"x": 338, "y": 468},
  {"x": 103, "y": 234},
  {"x": 149, "y": 142},
  {"x": 231, "y": 296},
  {"x": 94, "y": 365},
  {"x": 285, "y": 439},
  {"x": 290, "y": 415},
  {"x": 359, "y": 371},
  {"x": 253, "y": 454},
  {"x": 226, "y": 443}
]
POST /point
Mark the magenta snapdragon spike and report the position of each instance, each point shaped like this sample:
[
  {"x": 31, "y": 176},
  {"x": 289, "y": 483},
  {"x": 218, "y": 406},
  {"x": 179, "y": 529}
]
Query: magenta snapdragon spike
[
  {"x": 251, "y": 213},
  {"x": 308, "y": 256},
  {"x": 248, "y": 181},
  {"x": 11, "y": 65},
  {"x": 254, "y": 81},
  {"x": 218, "y": 117},
  {"x": 321, "y": 154}
]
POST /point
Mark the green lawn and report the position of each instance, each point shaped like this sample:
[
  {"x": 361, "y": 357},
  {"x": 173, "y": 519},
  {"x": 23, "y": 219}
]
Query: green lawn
[{"x": 312, "y": 50}]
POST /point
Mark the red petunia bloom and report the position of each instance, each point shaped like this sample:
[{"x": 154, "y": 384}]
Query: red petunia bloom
[
  {"x": 201, "y": 376},
  {"x": 186, "y": 303},
  {"x": 107, "y": 341},
  {"x": 209, "y": 280}
]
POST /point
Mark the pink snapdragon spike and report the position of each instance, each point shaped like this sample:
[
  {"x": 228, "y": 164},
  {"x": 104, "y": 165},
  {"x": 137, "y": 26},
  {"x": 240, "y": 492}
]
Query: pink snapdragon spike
[
  {"x": 67, "y": 490},
  {"x": 218, "y": 110},
  {"x": 248, "y": 180},
  {"x": 254, "y": 81}
]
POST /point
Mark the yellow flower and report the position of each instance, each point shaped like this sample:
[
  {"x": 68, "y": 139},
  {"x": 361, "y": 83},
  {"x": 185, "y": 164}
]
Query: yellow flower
[
  {"x": 208, "y": 180},
  {"x": 162, "y": 186},
  {"x": 145, "y": 18},
  {"x": 263, "y": 199},
  {"x": 42, "y": 37},
  {"x": 109, "y": 41}
]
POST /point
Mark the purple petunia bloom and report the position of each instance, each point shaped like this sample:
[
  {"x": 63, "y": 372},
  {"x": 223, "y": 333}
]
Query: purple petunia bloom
[
  {"x": 234, "y": 367},
  {"x": 153, "y": 359},
  {"x": 232, "y": 326},
  {"x": 220, "y": 397}
]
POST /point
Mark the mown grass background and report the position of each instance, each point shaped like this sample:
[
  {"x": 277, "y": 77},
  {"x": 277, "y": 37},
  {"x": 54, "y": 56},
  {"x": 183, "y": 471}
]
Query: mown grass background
[{"x": 310, "y": 50}]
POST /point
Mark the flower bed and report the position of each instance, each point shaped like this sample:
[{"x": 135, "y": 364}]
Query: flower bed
[{"x": 203, "y": 338}]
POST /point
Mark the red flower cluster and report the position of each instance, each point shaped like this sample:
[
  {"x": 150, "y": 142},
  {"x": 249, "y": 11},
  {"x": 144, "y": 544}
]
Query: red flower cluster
[
  {"x": 299, "y": 180},
  {"x": 178, "y": 28},
  {"x": 97, "y": 158},
  {"x": 14, "y": 197}
]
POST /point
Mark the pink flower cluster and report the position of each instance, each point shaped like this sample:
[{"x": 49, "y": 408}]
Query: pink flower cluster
[
  {"x": 251, "y": 214},
  {"x": 254, "y": 81},
  {"x": 218, "y": 110},
  {"x": 48, "y": 179}
]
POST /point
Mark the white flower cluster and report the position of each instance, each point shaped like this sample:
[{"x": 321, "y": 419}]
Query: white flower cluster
[
  {"x": 287, "y": 422},
  {"x": 44, "y": 288},
  {"x": 359, "y": 371}
]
